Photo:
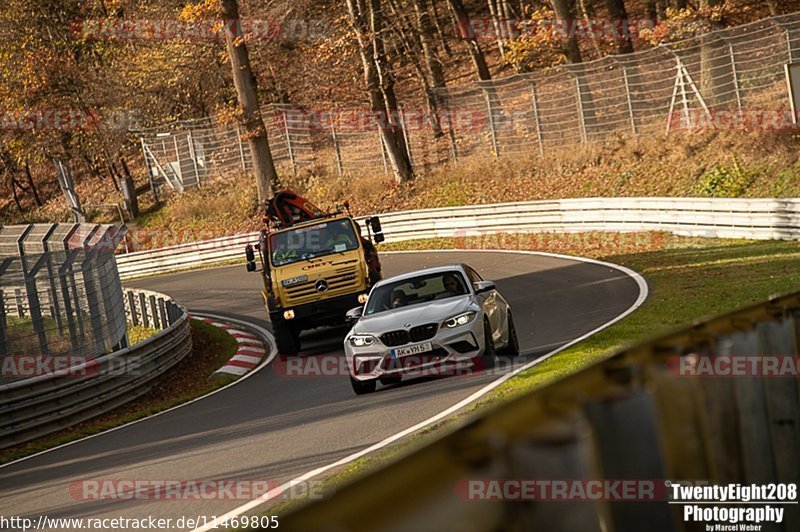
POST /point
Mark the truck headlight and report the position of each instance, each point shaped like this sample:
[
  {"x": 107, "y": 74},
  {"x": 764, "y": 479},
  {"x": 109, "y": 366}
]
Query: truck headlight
[
  {"x": 459, "y": 320},
  {"x": 361, "y": 340}
]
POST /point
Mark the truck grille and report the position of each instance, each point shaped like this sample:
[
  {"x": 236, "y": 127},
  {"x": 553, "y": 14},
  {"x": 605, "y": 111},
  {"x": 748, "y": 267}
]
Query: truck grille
[
  {"x": 343, "y": 280},
  {"x": 416, "y": 334}
]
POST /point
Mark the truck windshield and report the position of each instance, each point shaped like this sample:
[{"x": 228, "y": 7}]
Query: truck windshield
[{"x": 307, "y": 242}]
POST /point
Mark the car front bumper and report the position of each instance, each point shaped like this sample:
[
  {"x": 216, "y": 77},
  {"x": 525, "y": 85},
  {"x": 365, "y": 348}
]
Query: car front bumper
[{"x": 451, "y": 351}]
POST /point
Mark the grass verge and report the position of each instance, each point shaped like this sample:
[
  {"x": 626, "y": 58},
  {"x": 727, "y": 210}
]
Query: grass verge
[
  {"x": 211, "y": 348},
  {"x": 689, "y": 279}
]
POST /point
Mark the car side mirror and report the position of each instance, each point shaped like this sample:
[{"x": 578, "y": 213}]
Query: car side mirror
[
  {"x": 483, "y": 286},
  {"x": 375, "y": 225},
  {"x": 249, "y": 253},
  {"x": 251, "y": 266},
  {"x": 354, "y": 314}
]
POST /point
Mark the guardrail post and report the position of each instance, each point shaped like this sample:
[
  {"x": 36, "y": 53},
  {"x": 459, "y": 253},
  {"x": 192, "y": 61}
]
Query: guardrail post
[
  {"x": 622, "y": 428},
  {"x": 134, "y": 313},
  {"x": 143, "y": 307},
  {"x": 162, "y": 309},
  {"x": 154, "y": 313},
  {"x": 18, "y": 303},
  {"x": 383, "y": 151}
]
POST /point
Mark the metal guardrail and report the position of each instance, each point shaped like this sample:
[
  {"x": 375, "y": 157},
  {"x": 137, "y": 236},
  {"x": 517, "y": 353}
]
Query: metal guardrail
[
  {"x": 41, "y": 405},
  {"x": 642, "y": 414},
  {"x": 708, "y": 217}
]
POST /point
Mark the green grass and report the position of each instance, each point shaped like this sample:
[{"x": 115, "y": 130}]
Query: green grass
[{"x": 211, "y": 348}]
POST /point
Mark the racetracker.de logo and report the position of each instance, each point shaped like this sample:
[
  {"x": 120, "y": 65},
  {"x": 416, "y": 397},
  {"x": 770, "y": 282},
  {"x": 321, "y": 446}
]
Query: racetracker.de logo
[
  {"x": 510, "y": 489},
  {"x": 191, "y": 490}
]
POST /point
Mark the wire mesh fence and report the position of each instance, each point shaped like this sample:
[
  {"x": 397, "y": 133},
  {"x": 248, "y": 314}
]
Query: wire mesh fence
[
  {"x": 60, "y": 293},
  {"x": 729, "y": 79}
]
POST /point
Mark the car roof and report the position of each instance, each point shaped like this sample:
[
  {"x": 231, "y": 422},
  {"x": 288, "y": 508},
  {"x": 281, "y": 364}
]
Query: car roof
[{"x": 459, "y": 267}]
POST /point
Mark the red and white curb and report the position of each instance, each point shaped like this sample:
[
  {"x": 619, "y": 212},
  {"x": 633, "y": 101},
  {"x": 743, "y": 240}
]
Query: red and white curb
[{"x": 250, "y": 353}]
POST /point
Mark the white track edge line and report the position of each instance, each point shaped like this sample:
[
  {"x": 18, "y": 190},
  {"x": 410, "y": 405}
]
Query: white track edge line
[{"x": 277, "y": 491}]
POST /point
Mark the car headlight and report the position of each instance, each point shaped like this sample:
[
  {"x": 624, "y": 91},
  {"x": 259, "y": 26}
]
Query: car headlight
[
  {"x": 461, "y": 319},
  {"x": 361, "y": 340}
]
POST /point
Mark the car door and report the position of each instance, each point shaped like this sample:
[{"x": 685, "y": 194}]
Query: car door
[{"x": 491, "y": 306}]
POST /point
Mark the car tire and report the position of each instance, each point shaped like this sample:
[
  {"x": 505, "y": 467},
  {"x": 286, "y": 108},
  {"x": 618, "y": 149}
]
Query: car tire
[
  {"x": 362, "y": 387},
  {"x": 512, "y": 349},
  {"x": 388, "y": 381},
  {"x": 287, "y": 340},
  {"x": 489, "y": 352}
]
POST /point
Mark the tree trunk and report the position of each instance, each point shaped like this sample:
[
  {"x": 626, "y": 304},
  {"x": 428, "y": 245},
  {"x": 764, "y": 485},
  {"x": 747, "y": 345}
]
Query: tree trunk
[
  {"x": 565, "y": 11},
  {"x": 619, "y": 17},
  {"x": 716, "y": 70},
  {"x": 35, "y": 192},
  {"x": 367, "y": 25},
  {"x": 432, "y": 61},
  {"x": 247, "y": 91},
  {"x": 437, "y": 22},
  {"x": 476, "y": 54}
]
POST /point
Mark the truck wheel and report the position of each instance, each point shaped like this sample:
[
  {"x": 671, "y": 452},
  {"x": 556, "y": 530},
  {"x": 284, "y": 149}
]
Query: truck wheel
[
  {"x": 287, "y": 340},
  {"x": 362, "y": 387}
]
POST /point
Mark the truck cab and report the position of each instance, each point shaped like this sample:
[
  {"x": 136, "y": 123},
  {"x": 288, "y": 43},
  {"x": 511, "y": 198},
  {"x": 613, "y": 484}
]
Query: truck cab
[{"x": 314, "y": 271}]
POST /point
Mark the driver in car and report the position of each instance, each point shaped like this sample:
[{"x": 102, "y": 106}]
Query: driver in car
[{"x": 452, "y": 285}]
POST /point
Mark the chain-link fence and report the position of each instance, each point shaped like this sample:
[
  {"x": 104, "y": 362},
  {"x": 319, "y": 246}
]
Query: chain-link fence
[
  {"x": 60, "y": 293},
  {"x": 732, "y": 79}
]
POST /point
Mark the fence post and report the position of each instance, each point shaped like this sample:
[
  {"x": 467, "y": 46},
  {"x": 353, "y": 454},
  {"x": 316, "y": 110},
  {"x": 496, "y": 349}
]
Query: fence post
[
  {"x": 336, "y": 149},
  {"x": 289, "y": 142},
  {"x": 383, "y": 150},
  {"x": 193, "y": 155},
  {"x": 134, "y": 316},
  {"x": 628, "y": 98},
  {"x": 735, "y": 72},
  {"x": 492, "y": 129},
  {"x": 536, "y": 119},
  {"x": 241, "y": 148},
  {"x": 3, "y": 334},
  {"x": 149, "y": 171},
  {"x": 405, "y": 136},
  {"x": 581, "y": 117}
]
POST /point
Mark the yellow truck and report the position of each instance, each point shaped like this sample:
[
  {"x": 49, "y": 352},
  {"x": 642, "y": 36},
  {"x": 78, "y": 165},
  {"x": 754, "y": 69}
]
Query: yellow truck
[{"x": 315, "y": 266}]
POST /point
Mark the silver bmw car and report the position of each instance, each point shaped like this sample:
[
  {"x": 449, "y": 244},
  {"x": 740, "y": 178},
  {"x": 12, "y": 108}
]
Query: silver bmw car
[{"x": 422, "y": 322}]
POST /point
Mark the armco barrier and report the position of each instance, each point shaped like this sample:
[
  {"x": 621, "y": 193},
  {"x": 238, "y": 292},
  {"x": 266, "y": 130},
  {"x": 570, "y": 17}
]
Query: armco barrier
[
  {"x": 650, "y": 416},
  {"x": 708, "y": 217},
  {"x": 44, "y": 404}
]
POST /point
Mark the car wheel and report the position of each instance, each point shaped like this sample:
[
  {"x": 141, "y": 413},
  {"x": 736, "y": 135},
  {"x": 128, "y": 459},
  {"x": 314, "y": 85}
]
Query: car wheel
[
  {"x": 512, "y": 349},
  {"x": 362, "y": 387},
  {"x": 388, "y": 381},
  {"x": 286, "y": 339},
  {"x": 489, "y": 352}
]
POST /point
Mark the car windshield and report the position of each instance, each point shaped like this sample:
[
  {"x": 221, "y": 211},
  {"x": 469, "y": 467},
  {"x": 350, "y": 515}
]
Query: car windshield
[
  {"x": 416, "y": 290},
  {"x": 312, "y": 241}
]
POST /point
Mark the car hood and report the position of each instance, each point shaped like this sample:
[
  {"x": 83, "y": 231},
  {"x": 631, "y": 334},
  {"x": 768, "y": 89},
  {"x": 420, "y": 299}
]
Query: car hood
[{"x": 433, "y": 311}]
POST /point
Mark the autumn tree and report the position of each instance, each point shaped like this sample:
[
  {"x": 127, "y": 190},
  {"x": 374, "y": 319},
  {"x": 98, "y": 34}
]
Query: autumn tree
[{"x": 366, "y": 21}]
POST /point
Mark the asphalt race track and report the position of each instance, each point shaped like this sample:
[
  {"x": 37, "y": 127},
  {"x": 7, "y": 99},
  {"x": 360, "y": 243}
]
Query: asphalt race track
[{"x": 276, "y": 427}]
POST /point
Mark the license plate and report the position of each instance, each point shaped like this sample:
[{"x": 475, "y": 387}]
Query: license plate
[{"x": 412, "y": 350}]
